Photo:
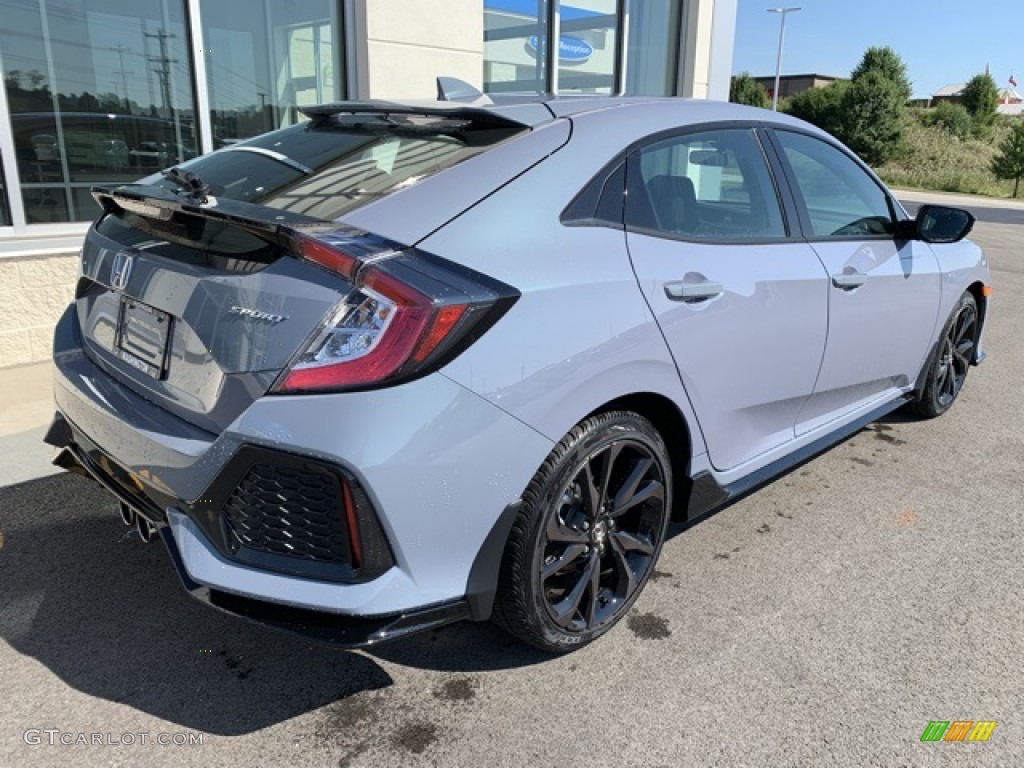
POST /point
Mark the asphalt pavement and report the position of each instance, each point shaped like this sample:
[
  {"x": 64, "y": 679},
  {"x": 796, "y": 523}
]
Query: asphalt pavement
[{"x": 824, "y": 620}]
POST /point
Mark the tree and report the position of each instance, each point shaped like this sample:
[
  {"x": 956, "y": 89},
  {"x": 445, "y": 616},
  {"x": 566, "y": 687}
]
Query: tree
[
  {"x": 1009, "y": 163},
  {"x": 744, "y": 89},
  {"x": 871, "y": 114},
  {"x": 954, "y": 119},
  {"x": 981, "y": 97},
  {"x": 820, "y": 106},
  {"x": 888, "y": 63}
]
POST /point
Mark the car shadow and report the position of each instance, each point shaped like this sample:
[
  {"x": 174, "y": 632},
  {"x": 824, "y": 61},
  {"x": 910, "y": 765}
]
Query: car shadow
[
  {"x": 82, "y": 595},
  {"x": 900, "y": 416}
]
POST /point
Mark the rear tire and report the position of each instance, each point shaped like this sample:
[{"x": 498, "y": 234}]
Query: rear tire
[
  {"x": 588, "y": 534},
  {"x": 952, "y": 360}
]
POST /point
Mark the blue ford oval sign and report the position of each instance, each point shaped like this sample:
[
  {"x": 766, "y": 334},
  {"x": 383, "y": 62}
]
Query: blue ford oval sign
[{"x": 570, "y": 49}]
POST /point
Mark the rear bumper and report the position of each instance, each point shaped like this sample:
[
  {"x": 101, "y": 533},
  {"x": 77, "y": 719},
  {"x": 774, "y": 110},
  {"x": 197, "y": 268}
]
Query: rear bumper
[
  {"x": 328, "y": 628},
  {"x": 439, "y": 465}
]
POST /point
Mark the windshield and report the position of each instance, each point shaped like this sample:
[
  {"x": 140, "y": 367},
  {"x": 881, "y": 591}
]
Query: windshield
[{"x": 328, "y": 168}]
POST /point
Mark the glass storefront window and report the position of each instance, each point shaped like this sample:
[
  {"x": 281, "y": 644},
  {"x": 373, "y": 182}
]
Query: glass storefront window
[
  {"x": 99, "y": 91},
  {"x": 652, "y": 50},
  {"x": 266, "y": 58},
  {"x": 590, "y": 53},
  {"x": 586, "y": 49},
  {"x": 515, "y": 35},
  {"x": 5, "y": 211}
]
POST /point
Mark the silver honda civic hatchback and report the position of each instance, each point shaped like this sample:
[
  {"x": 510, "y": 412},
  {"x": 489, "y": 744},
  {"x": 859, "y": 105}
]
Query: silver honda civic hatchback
[{"x": 404, "y": 364}]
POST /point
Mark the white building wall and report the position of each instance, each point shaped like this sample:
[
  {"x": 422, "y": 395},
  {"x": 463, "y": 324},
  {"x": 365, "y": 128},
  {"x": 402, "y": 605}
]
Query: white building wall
[
  {"x": 694, "y": 73},
  {"x": 34, "y": 292},
  {"x": 402, "y": 46},
  {"x": 723, "y": 38}
]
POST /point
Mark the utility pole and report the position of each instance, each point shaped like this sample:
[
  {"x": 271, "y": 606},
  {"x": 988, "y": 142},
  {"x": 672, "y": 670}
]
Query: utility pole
[
  {"x": 778, "y": 60},
  {"x": 163, "y": 68},
  {"x": 124, "y": 75}
]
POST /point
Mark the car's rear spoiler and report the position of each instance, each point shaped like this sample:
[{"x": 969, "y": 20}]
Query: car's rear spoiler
[
  {"x": 504, "y": 116},
  {"x": 158, "y": 203}
]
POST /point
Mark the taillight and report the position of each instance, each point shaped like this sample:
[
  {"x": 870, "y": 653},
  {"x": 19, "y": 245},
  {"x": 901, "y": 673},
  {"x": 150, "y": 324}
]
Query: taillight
[{"x": 408, "y": 313}]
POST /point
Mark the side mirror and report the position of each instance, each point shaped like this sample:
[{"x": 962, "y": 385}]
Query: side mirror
[{"x": 939, "y": 224}]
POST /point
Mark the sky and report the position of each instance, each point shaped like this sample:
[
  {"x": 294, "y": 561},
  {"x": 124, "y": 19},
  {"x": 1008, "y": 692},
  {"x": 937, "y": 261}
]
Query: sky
[{"x": 940, "y": 41}]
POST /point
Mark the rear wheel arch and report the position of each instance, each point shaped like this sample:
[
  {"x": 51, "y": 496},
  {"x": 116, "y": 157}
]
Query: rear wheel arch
[
  {"x": 674, "y": 430},
  {"x": 588, "y": 533}
]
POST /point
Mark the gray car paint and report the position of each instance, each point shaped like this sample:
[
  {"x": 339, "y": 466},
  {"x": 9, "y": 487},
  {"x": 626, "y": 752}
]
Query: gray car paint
[
  {"x": 410, "y": 214},
  {"x": 419, "y": 450},
  {"x": 750, "y": 356},
  {"x": 443, "y": 455},
  {"x": 879, "y": 333},
  {"x": 220, "y": 361}
]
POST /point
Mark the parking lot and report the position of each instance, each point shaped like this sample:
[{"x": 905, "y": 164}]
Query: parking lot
[{"x": 823, "y": 620}]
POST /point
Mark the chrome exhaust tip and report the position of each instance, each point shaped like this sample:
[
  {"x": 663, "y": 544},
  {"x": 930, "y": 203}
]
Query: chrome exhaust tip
[
  {"x": 126, "y": 512},
  {"x": 146, "y": 529}
]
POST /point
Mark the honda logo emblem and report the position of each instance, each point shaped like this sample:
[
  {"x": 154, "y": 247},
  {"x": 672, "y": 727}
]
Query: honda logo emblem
[{"x": 120, "y": 271}]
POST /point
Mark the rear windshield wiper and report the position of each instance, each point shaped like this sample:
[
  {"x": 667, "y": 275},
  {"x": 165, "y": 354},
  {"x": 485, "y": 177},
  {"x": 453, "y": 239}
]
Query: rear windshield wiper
[
  {"x": 186, "y": 180},
  {"x": 305, "y": 170}
]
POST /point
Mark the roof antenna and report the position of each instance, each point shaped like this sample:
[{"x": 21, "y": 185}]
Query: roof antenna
[{"x": 453, "y": 89}]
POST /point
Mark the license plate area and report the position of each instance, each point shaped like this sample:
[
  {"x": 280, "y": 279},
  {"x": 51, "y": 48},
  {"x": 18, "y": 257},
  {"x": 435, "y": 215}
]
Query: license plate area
[{"x": 143, "y": 336}]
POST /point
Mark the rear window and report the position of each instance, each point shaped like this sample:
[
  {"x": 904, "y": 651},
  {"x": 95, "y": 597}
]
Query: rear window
[{"x": 327, "y": 168}]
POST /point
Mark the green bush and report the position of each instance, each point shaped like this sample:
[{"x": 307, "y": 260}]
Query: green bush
[
  {"x": 820, "y": 106},
  {"x": 871, "y": 117},
  {"x": 867, "y": 112},
  {"x": 744, "y": 89},
  {"x": 954, "y": 119}
]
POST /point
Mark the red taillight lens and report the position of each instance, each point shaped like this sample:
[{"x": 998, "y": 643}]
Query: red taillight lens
[
  {"x": 389, "y": 327},
  {"x": 325, "y": 256},
  {"x": 444, "y": 320}
]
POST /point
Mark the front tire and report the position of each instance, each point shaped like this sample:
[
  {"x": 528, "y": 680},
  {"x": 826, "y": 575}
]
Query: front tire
[
  {"x": 953, "y": 358},
  {"x": 588, "y": 535}
]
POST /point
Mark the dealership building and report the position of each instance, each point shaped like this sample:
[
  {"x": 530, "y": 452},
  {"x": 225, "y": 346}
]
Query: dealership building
[{"x": 107, "y": 91}]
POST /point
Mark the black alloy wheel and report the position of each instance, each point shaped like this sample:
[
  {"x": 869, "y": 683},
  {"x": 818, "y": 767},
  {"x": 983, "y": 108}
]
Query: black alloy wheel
[
  {"x": 591, "y": 529},
  {"x": 953, "y": 358}
]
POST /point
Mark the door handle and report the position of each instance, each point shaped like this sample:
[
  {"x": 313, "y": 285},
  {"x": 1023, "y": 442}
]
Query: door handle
[
  {"x": 849, "y": 280},
  {"x": 693, "y": 292}
]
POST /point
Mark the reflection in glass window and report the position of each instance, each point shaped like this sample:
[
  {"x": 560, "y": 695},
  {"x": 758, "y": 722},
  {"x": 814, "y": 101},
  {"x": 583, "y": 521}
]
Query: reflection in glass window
[
  {"x": 515, "y": 45},
  {"x": 515, "y": 32},
  {"x": 586, "y": 49},
  {"x": 842, "y": 199},
  {"x": 100, "y": 91},
  {"x": 652, "y": 51},
  {"x": 516, "y": 35},
  {"x": 702, "y": 186},
  {"x": 266, "y": 58},
  {"x": 354, "y": 160},
  {"x": 5, "y": 211}
]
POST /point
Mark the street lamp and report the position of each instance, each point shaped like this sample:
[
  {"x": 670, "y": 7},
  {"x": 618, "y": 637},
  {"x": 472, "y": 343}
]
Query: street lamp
[{"x": 778, "y": 61}]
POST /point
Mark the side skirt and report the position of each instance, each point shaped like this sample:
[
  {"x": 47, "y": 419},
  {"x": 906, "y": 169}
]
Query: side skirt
[{"x": 708, "y": 496}]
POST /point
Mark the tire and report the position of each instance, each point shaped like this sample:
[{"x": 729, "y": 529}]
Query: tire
[
  {"x": 590, "y": 530},
  {"x": 951, "y": 360}
]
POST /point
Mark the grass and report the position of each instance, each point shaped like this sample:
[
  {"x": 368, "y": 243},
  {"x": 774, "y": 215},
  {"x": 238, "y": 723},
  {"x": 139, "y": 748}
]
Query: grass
[{"x": 933, "y": 159}]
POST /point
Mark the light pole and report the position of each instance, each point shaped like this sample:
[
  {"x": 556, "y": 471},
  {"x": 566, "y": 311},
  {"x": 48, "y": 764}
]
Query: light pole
[{"x": 778, "y": 61}]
